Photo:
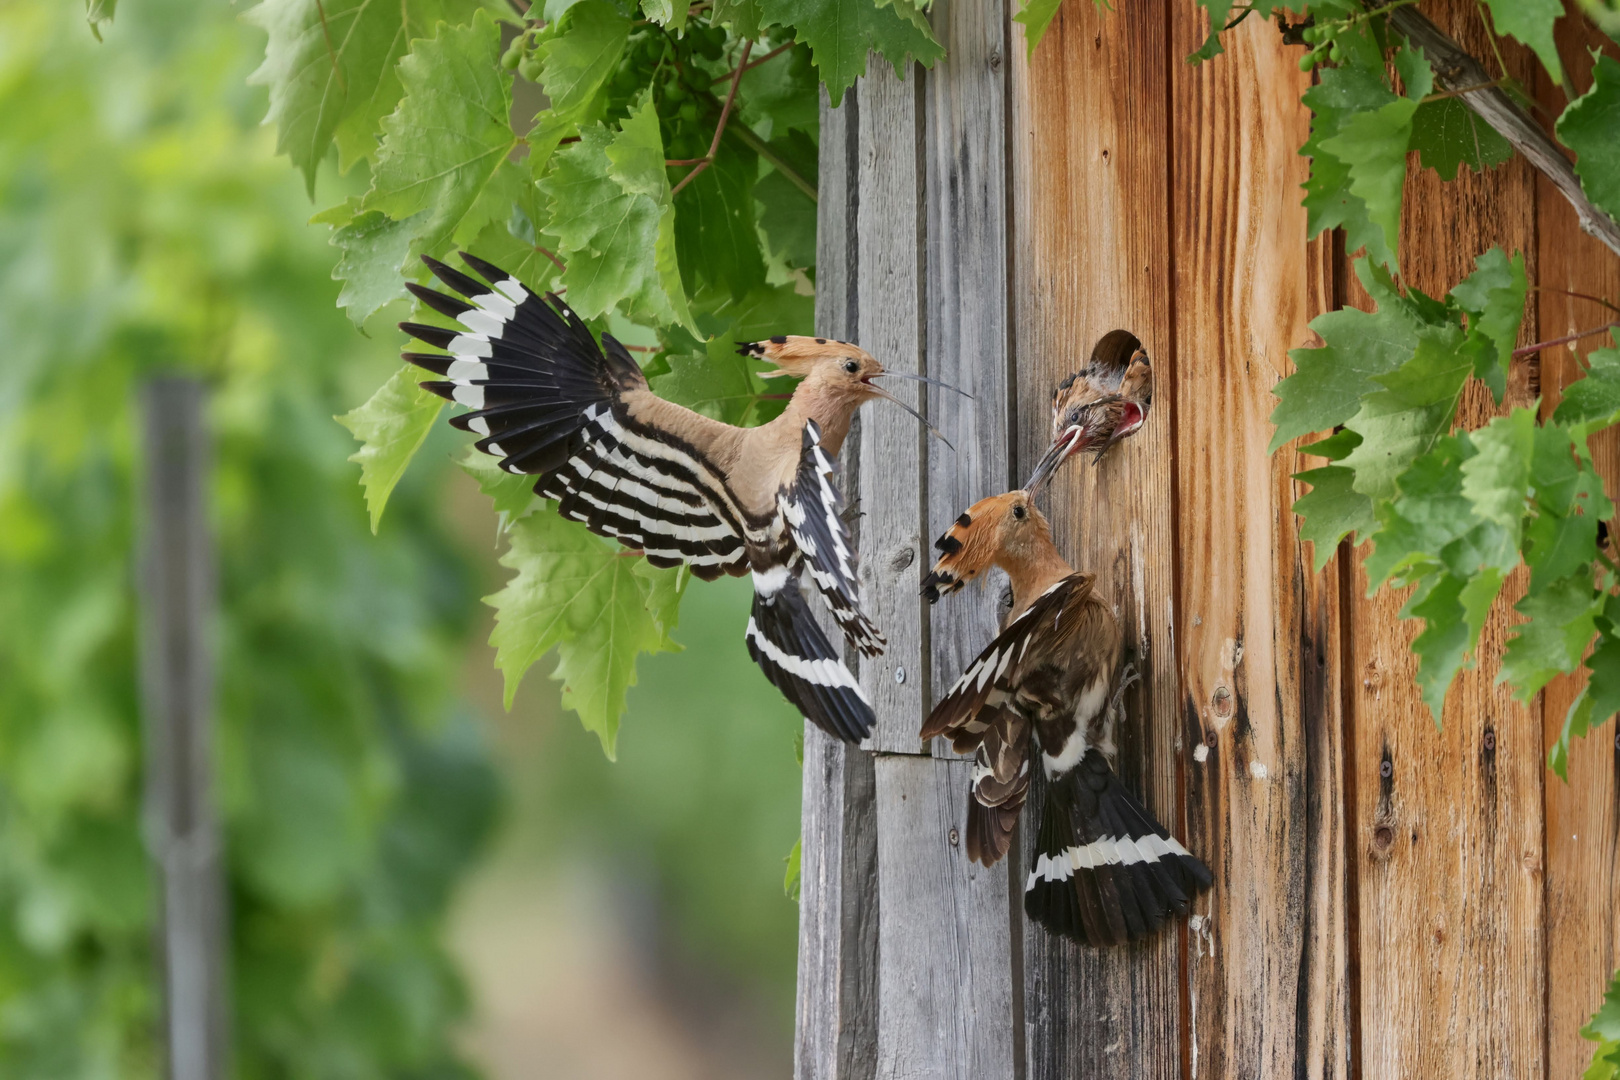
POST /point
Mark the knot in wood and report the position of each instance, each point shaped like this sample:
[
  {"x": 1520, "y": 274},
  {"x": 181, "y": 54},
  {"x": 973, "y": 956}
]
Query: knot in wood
[
  {"x": 1373, "y": 679},
  {"x": 1221, "y": 702},
  {"x": 1383, "y": 837},
  {"x": 995, "y": 59},
  {"x": 902, "y": 559}
]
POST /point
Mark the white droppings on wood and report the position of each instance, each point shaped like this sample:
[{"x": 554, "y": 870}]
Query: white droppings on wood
[
  {"x": 1201, "y": 754},
  {"x": 1257, "y": 769},
  {"x": 1231, "y": 654}
]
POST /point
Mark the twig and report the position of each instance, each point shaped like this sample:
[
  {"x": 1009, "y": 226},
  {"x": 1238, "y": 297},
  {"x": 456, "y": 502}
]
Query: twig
[
  {"x": 1454, "y": 68},
  {"x": 719, "y": 128},
  {"x": 745, "y": 135},
  {"x": 1577, "y": 295},
  {"x": 1461, "y": 90},
  {"x": 778, "y": 51},
  {"x": 1538, "y": 346},
  {"x": 552, "y": 256},
  {"x": 641, "y": 348}
]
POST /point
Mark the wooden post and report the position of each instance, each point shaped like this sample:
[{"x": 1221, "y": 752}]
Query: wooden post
[
  {"x": 1390, "y": 900},
  {"x": 177, "y": 588}
]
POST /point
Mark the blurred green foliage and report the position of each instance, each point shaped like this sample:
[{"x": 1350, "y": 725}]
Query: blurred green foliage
[{"x": 146, "y": 227}]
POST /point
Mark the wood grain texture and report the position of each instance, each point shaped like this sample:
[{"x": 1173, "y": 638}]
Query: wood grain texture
[
  {"x": 1259, "y": 631},
  {"x": 945, "y": 987},
  {"x": 1448, "y": 826},
  {"x": 836, "y": 1028},
  {"x": 1583, "y": 816},
  {"x": 1091, "y": 253},
  {"x": 967, "y": 306},
  {"x": 890, "y": 293}
]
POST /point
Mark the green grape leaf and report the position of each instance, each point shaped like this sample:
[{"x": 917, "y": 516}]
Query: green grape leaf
[
  {"x": 709, "y": 376},
  {"x": 1605, "y": 1023},
  {"x": 1037, "y": 16},
  {"x": 329, "y": 65},
  {"x": 1448, "y": 134},
  {"x": 1372, "y": 145},
  {"x": 97, "y": 12},
  {"x": 1563, "y": 617},
  {"x": 716, "y": 238},
  {"x": 1430, "y": 513},
  {"x": 1443, "y": 645},
  {"x": 391, "y": 427},
  {"x": 664, "y": 591},
  {"x": 790, "y": 878},
  {"x": 1590, "y": 126},
  {"x": 580, "y": 57},
  {"x": 1496, "y": 479},
  {"x": 782, "y": 95},
  {"x": 1595, "y": 399},
  {"x": 1493, "y": 296},
  {"x": 511, "y": 493},
  {"x": 787, "y": 215},
  {"x": 841, "y": 32},
  {"x": 1329, "y": 382},
  {"x": 743, "y": 16},
  {"x": 1531, "y": 21},
  {"x": 583, "y": 596},
  {"x": 667, "y": 13},
  {"x": 375, "y": 248},
  {"x": 1401, "y": 422},
  {"x": 448, "y": 139},
  {"x": 1331, "y": 510},
  {"x": 614, "y": 225},
  {"x": 1341, "y": 94}
]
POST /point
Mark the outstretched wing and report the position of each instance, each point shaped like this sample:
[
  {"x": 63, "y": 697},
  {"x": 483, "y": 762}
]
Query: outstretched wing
[
  {"x": 547, "y": 401},
  {"x": 811, "y": 508},
  {"x": 967, "y": 709}
]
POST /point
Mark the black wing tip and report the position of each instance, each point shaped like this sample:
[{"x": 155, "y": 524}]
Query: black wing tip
[
  {"x": 483, "y": 268},
  {"x": 434, "y": 335}
]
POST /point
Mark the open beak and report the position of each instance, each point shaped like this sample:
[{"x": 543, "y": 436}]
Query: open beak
[
  {"x": 920, "y": 378},
  {"x": 1130, "y": 420},
  {"x": 1064, "y": 445},
  {"x": 882, "y": 393}
]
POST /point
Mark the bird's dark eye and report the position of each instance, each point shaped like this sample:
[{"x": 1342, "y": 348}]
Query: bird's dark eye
[
  {"x": 1018, "y": 512},
  {"x": 851, "y": 366},
  {"x": 1074, "y": 416}
]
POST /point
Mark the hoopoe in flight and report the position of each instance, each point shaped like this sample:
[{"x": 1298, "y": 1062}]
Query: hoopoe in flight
[
  {"x": 662, "y": 479},
  {"x": 1105, "y": 870},
  {"x": 1094, "y": 408}
]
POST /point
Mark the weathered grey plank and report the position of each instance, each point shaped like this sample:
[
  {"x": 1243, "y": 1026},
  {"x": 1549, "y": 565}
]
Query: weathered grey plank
[
  {"x": 1092, "y": 254},
  {"x": 967, "y": 308},
  {"x": 182, "y": 824},
  {"x": 890, "y": 295},
  {"x": 836, "y": 1030},
  {"x": 945, "y": 988}
]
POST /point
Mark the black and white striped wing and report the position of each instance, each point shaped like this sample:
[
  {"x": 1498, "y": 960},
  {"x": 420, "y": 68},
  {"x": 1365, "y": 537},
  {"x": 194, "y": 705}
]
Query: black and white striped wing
[
  {"x": 546, "y": 401},
  {"x": 787, "y": 643},
  {"x": 989, "y": 680},
  {"x": 812, "y": 510}
]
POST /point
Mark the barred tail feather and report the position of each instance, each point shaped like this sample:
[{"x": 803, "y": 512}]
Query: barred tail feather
[
  {"x": 790, "y": 648},
  {"x": 1126, "y": 874}
]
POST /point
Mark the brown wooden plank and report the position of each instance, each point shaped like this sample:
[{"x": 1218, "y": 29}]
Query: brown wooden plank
[
  {"x": 1583, "y": 816},
  {"x": 945, "y": 988},
  {"x": 890, "y": 295},
  {"x": 1448, "y": 832},
  {"x": 1259, "y": 630},
  {"x": 1091, "y": 253},
  {"x": 967, "y": 305},
  {"x": 836, "y": 1030}
]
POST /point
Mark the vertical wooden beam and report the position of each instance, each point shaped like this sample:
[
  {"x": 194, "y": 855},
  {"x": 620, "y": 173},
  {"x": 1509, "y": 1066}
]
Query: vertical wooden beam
[
  {"x": 1092, "y": 253},
  {"x": 1260, "y": 643},
  {"x": 1448, "y": 834},
  {"x": 177, "y": 592},
  {"x": 1583, "y": 816},
  {"x": 836, "y": 1030},
  {"x": 967, "y": 305},
  {"x": 892, "y": 478}
]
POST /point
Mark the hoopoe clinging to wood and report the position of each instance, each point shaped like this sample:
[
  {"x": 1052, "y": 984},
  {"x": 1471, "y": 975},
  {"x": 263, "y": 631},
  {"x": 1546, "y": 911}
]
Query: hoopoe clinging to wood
[
  {"x": 660, "y": 478},
  {"x": 1105, "y": 869},
  {"x": 1096, "y": 407}
]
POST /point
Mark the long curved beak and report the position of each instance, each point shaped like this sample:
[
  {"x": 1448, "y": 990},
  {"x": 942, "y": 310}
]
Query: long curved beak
[
  {"x": 923, "y": 379},
  {"x": 934, "y": 431},
  {"x": 1061, "y": 447}
]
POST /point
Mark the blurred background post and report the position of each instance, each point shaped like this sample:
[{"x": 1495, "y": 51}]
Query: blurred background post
[{"x": 176, "y": 595}]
